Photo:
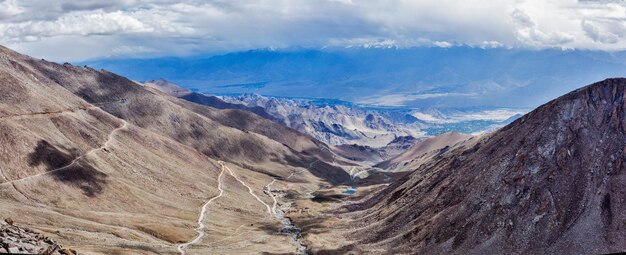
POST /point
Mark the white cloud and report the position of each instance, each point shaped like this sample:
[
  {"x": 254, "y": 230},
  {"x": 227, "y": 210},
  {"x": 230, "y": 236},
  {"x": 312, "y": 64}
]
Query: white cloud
[
  {"x": 9, "y": 8},
  {"x": 595, "y": 33},
  {"x": 183, "y": 27},
  {"x": 402, "y": 99},
  {"x": 124, "y": 50},
  {"x": 529, "y": 33},
  {"x": 456, "y": 117},
  {"x": 491, "y": 44},
  {"x": 443, "y": 44}
]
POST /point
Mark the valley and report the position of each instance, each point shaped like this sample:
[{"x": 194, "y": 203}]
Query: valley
[
  {"x": 312, "y": 127},
  {"x": 105, "y": 165}
]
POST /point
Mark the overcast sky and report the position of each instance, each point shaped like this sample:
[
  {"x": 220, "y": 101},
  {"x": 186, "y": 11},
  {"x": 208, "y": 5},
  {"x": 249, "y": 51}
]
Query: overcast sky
[{"x": 70, "y": 30}]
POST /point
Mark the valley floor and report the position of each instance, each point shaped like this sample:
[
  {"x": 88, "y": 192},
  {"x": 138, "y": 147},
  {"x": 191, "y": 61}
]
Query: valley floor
[{"x": 250, "y": 212}]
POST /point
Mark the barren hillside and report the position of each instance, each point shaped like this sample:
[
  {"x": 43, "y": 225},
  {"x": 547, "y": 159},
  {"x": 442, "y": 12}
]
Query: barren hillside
[
  {"x": 423, "y": 151},
  {"x": 105, "y": 165},
  {"x": 551, "y": 182}
]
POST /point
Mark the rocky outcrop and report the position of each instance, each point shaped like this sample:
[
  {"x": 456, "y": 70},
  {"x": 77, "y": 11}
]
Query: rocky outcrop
[{"x": 18, "y": 240}]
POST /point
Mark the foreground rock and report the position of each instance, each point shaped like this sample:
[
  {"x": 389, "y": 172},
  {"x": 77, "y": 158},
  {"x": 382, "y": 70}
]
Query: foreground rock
[{"x": 17, "y": 240}]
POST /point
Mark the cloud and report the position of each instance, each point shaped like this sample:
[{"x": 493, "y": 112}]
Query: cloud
[
  {"x": 597, "y": 35},
  {"x": 443, "y": 44},
  {"x": 397, "y": 100},
  {"x": 9, "y": 8},
  {"x": 457, "y": 117},
  {"x": 169, "y": 27},
  {"x": 529, "y": 33}
]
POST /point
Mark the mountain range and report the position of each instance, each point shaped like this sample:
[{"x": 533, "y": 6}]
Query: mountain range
[
  {"x": 336, "y": 124},
  {"x": 358, "y": 133},
  {"x": 106, "y": 165},
  {"x": 422, "y": 77}
]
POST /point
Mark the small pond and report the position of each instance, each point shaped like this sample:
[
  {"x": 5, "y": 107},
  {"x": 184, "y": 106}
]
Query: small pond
[{"x": 350, "y": 190}]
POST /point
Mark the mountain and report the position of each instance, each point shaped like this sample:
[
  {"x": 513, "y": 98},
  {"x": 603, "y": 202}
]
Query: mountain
[
  {"x": 456, "y": 77},
  {"x": 423, "y": 151},
  {"x": 167, "y": 87},
  {"x": 198, "y": 98},
  {"x": 336, "y": 123},
  {"x": 218, "y": 103},
  {"x": 105, "y": 165},
  {"x": 353, "y": 128},
  {"x": 361, "y": 153},
  {"x": 551, "y": 182}
]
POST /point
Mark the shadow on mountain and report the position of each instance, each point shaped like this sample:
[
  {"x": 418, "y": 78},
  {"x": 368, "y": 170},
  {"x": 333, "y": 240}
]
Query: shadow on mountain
[
  {"x": 140, "y": 247},
  {"x": 324, "y": 198},
  {"x": 333, "y": 174},
  {"x": 51, "y": 156},
  {"x": 313, "y": 225},
  {"x": 378, "y": 178},
  {"x": 79, "y": 174},
  {"x": 340, "y": 250},
  {"x": 270, "y": 229},
  {"x": 221, "y": 104}
]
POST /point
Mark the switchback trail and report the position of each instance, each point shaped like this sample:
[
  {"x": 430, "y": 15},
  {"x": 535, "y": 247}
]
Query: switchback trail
[
  {"x": 182, "y": 248},
  {"x": 297, "y": 172},
  {"x": 269, "y": 210},
  {"x": 268, "y": 188},
  {"x": 47, "y": 113},
  {"x": 203, "y": 211},
  {"x": 73, "y": 162}
]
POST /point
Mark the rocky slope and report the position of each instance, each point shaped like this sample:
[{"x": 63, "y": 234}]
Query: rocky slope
[
  {"x": 552, "y": 182},
  {"x": 17, "y": 240},
  {"x": 105, "y": 165}
]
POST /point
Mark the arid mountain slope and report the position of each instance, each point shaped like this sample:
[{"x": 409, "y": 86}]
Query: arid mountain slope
[
  {"x": 105, "y": 165},
  {"x": 168, "y": 87},
  {"x": 423, "y": 151},
  {"x": 552, "y": 182},
  {"x": 220, "y": 135}
]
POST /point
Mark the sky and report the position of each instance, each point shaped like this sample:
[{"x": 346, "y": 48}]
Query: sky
[{"x": 70, "y": 30}]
